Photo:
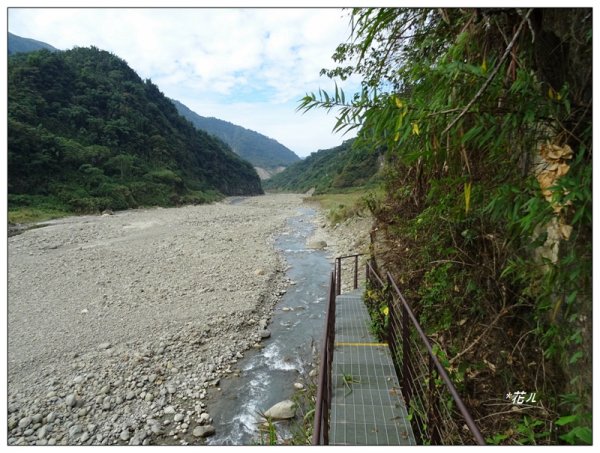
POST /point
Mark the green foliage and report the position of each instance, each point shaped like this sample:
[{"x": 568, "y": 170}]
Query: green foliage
[
  {"x": 34, "y": 208},
  {"x": 331, "y": 170},
  {"x": 83, "y": 128},
  {"x": 464, "y": 102},
  {"x": 377, "y": 300},
  {"x": 259, "y": 150},
  {"x": 342, "y": 206}
]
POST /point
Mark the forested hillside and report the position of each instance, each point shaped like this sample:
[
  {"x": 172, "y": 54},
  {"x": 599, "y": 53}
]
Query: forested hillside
[
  {"x": 329, "y": 170},
  {"x": 486, "y": 118},
  {"x": 85, "y": 133},
  {"x": 258, "y": 149}
]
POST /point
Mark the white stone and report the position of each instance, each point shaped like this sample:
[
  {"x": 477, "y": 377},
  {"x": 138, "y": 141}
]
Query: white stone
[{"x": 282, "y": 411}]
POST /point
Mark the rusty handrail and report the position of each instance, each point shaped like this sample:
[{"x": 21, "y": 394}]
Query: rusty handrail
[
  {"x": 323, "y": 401},
  {"x": 406, "y": 314},
  {"x": 324, "y": 389},
  {"x": 338, "y": 271}
]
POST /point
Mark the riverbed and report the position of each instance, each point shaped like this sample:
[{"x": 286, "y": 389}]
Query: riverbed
[{"x": 122, "y": 328}]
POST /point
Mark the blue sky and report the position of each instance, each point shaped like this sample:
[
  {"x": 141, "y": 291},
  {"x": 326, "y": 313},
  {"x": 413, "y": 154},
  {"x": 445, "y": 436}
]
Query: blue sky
[{"x": 246, "y": 66}]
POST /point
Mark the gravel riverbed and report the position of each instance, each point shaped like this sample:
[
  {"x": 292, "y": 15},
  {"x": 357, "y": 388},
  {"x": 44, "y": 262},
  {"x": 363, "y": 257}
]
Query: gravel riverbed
[{"x": 118, "y": 325}]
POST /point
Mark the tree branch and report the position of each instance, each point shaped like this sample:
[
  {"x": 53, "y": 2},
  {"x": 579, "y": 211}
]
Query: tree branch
[{"x": 492, "y": 74}]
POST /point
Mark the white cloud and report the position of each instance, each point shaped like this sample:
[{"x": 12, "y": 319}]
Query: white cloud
[{"x": 250, "y": 64}]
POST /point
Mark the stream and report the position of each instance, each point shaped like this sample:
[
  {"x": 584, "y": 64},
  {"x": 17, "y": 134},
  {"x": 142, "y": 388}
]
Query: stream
[{"x": 267, "y": 376}]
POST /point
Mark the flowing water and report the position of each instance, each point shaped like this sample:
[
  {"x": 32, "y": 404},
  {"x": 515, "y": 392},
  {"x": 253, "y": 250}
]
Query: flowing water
[{"x": 268, "y": 375}]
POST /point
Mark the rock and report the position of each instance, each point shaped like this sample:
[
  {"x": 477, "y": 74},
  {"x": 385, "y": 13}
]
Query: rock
[
  {"x": 106, "y": 403},
  {"x": 282, "y": 411},
  {"x": 51, "y": 417},
  {"x": 298, "y": 385},
  {"x": 169, "y": 410},
  {"x": 12, "y": 423},
  {"x": 204, "y": 418},
  {"x": 313, "y": 373},
  {"x": 25, "y": 422},
  {"x": 125, "y": 435},
  {"x": 265, "y": 333},
  {"x": 156, "y": 429},
  {"x": 107, "y": 212},
  {"x": 71, "y": 400},
  {"x": 130, "y": 395},
  {"x": 203, "y": 431},
  {"x": 263, "y": 323},
  {"x": 178, "y": 417},
  {"x": 149, "y": 397},
  {"x": 85, "y": 436},
  {"x": 104, "y": 345},
  {"x": 75, "y": 430},
  {"x": 37, "y": 418},
  {"x": 78, "y": 379},
  {"x": 42, "y": 432},
  {"x": 317, "y": 245},
  {"x": 259, "y": 272}
]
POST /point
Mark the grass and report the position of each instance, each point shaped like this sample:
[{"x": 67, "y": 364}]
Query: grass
[
  {"x": 348, "y": 380},
  {"x": 342, "y": 206},
  {"x": 24, "y": 215}
]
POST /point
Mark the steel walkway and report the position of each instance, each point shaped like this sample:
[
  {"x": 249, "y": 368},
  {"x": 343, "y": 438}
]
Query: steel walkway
[{"x": 366, "y": 406}]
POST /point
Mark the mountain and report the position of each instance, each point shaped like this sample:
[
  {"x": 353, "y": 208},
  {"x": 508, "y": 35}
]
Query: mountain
[
  {"x": 87, "y": 133},
  {"x": 261, "y": 151},
  {"x": 18, "y": 44},
  {"x": 329, "y": 170}
]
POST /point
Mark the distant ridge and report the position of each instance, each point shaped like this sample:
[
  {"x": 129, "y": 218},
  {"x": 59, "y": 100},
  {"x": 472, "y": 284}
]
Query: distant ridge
[
  {"x": 330, "y": 170},
  {"x": 258, "y": 149},
  {"x": 18, "y": 44}
]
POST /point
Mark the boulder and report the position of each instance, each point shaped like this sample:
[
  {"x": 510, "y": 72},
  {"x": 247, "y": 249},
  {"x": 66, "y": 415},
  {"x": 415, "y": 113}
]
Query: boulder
[
  {"x": 318, "y": 245},
  {"x": 282, "y": 411},
  {"x": 265, "y": 334},
  {"x": 204, "y": 431}
]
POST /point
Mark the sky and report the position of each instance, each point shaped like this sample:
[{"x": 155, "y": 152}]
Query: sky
[{"x": 247, "y": 66}]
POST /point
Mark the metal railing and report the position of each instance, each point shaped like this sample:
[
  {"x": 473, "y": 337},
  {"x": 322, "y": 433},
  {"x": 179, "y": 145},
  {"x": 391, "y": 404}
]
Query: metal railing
[
  {"x": 338, "y": 271},
  {"x": 323, "y": 402},
  {"x": 437, "y": 413}
]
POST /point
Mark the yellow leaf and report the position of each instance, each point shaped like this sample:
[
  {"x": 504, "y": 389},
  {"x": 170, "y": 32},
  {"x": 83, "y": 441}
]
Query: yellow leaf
[
  {"x": 484, "y": 66},
  {"x": 467, "y": 196},
  {"x": 385, "y": 311},
  {"x": 415, "y": 128},
  {"x": 399, "y": 103},
  {"x": 397, "y": 136},
  {"x": 551, "y": 93}
]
